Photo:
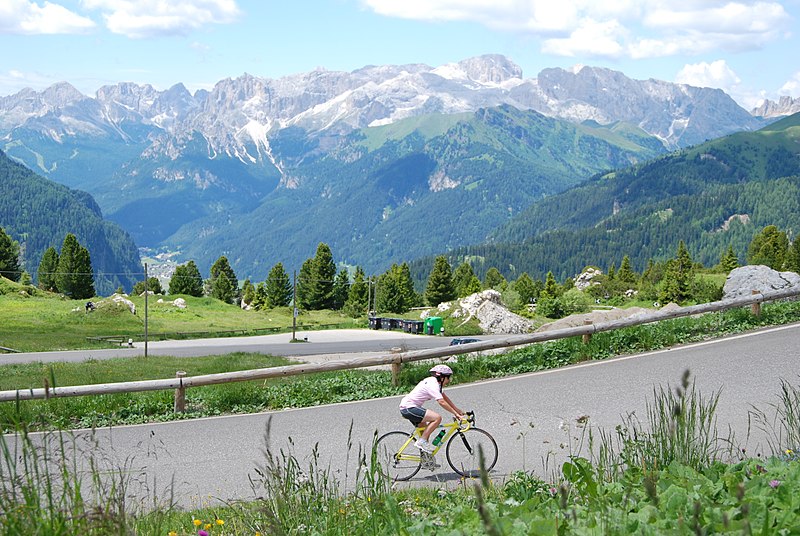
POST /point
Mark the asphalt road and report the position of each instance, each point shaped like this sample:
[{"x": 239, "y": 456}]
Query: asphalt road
[
  {"x": 327, "y": 342},
  {"x": 533, "y": 417}
]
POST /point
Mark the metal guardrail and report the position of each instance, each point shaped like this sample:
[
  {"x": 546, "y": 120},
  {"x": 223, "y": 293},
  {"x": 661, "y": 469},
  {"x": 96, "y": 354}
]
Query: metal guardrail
[{"x": 180, "y": 383}]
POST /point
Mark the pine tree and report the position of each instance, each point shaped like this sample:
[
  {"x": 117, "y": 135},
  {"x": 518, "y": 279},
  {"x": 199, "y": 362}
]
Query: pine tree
[
  {"x": 388, "y": 294},
  {"x": 341, "y": 288},
  {"x": 248, "y": 292},
  {"x": 278, "y": 287},
  {"x": 75, "y": 277},
  {"x": 729, "y": 260},
  {"x": 9, "y": 257},
  {"x": 678, "y": 277},
  {"x": 406, "y": 283},
  {"x": 304, "y": 289},
  {"x": 793, "y": 257},
  {"x": 769, "y": 247},
  {"x": 153, "y": 286},
  {"x": 495, "y": 280},
  {"x": 186, "y": 280},
  {"x": 323, "y": 273},
  {"x": 462, "y": 279},
  {"x": 357, "y": 295},
  {"x": 625, "y": 274},
  {"x": 525, "y": 287},
  {"x": 440, "y": 286},
  {"x": 223, "y": 281},
  {"x": 46, "y": 273}
]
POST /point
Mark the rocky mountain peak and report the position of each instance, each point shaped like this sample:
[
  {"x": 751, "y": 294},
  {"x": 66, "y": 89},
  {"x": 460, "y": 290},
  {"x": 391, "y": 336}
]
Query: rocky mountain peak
[
  {"x": 785, "y": 106},
  {"x": 491, "y": 69}
]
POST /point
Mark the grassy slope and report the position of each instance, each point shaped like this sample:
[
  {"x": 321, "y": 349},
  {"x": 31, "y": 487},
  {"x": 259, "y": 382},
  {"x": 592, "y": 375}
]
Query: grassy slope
[{"x": 37, "y": 321}]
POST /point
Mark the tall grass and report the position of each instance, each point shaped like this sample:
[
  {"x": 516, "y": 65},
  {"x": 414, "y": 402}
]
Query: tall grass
[
  {"x": 54, "y": 484},
  {"x": 681, "y": 427},
  {"x": 782, "y": 428}
]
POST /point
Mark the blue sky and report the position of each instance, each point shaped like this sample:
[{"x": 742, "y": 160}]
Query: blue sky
[{"x": 747, "y": 48}]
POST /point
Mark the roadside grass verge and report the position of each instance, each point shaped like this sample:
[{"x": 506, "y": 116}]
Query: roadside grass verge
[{"x": 325, "y": 388}]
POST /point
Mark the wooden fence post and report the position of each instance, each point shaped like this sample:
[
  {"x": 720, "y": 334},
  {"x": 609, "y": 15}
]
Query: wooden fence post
[
  {"x": 180, "y": 394},
  {"x": 587, "y": 336},
  {"x": 756, "y": 307}
]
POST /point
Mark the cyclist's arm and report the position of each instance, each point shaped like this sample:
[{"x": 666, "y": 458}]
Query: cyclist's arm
[{"x": 448, "y": 404}]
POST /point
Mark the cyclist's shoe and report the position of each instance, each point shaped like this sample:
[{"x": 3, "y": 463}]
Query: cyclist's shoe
[
  {"x": 424, "y": 445},
  {"x": 429, "y": 462}
]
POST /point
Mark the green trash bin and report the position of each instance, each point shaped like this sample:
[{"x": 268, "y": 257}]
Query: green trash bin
[{"x": 433, "y": 325}]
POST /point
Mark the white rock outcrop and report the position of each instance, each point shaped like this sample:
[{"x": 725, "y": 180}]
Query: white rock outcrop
[
  {"x": 180, "y": 303},
  {"x": 744, "y": 280},
  {"x": 493, "y": 316},
  {"x": 118, "y": 298}
]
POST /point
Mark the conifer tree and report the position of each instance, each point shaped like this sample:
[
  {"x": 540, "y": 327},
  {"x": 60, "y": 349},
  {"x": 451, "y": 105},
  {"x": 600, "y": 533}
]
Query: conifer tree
[
  {"x": 341, "y": 288},
  {"x": 729, "y": 261},
  {"x": 462, "y": 279},
  {"x": 440, "y": 286},
  {"x": 223, "y": 282},
  {"x": 526, "y": 288},
  {"x": 388, "y": 294},
  {"x": 358, "y": 294},
  {"x": 75, "y": 277},
  {"x": 406, "y": 283},
  {"x": 678, "y": 277},
  {"x": 9, "y": 257},
  {"x": 625, "y": 274},
  {"x": 153, "y": 286},
  {"x": 769, "y": 247},
  {"x": 304, "y": 289},
  {"x": 248, "y": 291},
  {"x": 793, "y": 257},
  {"x": 494, "y": 279},
  {"x": 186, "y": 280},
  {"x": 320, "y": 283},
  {"x": 46, "y": 273},
  {"x": 278, "y": 287}
]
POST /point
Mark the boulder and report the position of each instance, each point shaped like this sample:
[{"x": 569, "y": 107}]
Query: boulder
[
  {"x": 744, "y": 280},
  {"x": 118, "y": 298},
  {"x": 180, "y": 303},
  {"x": 492, "y": 315},
  {"x": 584, "y": 280}
]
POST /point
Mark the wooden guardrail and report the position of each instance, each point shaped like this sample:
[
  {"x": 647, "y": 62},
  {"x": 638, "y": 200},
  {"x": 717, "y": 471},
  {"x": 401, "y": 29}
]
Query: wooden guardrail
[{"x": 181, "y": 382}]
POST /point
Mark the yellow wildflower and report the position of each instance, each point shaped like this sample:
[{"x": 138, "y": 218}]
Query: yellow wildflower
[
  {"x": 207, "y": 526},
  {"x": 197, "y": 522},
  {"x": 220, "y": 522},
  {"x": 173, "y": 533}
]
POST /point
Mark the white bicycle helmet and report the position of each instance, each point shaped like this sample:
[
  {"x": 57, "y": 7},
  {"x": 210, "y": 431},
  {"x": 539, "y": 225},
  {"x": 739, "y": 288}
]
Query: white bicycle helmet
[{"x": 441, "y": 370}]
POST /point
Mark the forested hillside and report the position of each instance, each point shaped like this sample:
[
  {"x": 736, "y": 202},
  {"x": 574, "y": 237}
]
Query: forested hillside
[
  {"x": 419, "y": 186},
  {"x": 39, "y": 213},
  {"x": 713, "y": 195}
]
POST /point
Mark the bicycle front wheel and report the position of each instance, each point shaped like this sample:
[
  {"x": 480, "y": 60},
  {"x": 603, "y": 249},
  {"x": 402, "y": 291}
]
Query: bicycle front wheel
[
  {"x": 394, "y": 463},
  {"x": 463, "y": 449}
]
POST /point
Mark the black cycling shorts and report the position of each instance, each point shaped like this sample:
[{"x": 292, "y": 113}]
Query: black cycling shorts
[{"x": 415, "y": 414}]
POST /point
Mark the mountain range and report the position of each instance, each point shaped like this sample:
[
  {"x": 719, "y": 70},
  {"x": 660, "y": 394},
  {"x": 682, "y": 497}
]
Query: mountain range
[{"x": 384, "y": 163}]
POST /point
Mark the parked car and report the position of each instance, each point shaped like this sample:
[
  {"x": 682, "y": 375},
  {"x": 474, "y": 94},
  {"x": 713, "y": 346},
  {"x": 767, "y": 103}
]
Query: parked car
[{"x": 463, "y": 341}]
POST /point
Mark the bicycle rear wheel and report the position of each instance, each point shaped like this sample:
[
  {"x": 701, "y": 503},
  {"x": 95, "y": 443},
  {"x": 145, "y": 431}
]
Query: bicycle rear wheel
[
  {"x": 463, "y": 449},
  {"x": 394, "y": 464}
]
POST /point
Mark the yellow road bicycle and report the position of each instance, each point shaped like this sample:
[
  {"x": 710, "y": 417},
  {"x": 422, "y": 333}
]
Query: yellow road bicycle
[{"x": 401, "y": 460}]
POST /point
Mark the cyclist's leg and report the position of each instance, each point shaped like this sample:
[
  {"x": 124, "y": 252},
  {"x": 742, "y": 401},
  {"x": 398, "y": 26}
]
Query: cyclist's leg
[{"x": 431, "y": 421}]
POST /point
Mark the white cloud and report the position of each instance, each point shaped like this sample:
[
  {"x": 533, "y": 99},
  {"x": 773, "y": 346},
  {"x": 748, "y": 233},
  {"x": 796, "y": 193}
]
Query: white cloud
[
  {"x": 631, "y": 28},
  {"x": 590, "y": 38},
  {"x": 716, "y": 74},
  {"x": 148, "y": 18},
  {"x": 26, "y": 17},
  {"x": 792, "y": 86}
]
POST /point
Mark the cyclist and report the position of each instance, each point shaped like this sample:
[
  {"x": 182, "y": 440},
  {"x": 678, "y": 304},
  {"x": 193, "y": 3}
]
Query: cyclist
[{"x": 431, "y": 388}]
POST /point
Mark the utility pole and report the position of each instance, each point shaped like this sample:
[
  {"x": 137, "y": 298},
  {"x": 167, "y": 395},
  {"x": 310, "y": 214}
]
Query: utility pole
[
  {"x": 294, "y": 304},
  {"x": 145, "y": 309}
]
